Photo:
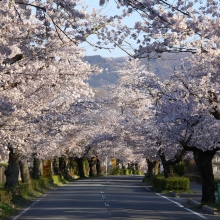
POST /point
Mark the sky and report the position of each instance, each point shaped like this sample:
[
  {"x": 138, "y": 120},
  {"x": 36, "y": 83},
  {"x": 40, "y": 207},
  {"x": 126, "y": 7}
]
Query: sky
[{"x": 109, "y": 9}]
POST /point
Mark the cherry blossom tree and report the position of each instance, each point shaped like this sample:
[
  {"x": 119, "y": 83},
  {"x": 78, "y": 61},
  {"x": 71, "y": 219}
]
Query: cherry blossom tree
[
  {"x": 188, "y": 118},
  {"x": 169, "y": 26},
  {"x": 190, "y": 109},
  {"x": 41, "y": 67},
  {"x": 136, "y": 109},
  {"x": 137, "y": 94}
]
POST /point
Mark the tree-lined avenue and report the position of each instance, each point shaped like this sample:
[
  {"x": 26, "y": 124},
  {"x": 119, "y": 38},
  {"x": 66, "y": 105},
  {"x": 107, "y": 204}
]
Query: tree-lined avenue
[{"x": 110, "y": 197}]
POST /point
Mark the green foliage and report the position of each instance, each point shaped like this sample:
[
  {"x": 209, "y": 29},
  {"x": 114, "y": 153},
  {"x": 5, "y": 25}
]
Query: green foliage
[
  {"x": 85, "y": 166},
  {"x": 128, "y": 171},
  {"x": 41, "y": 184},
  {"x": 7, "y": 209},
  {"x": 5, "y": 196},
  {"x": 58, "y": 180},
  {"x": 179, "y": 169},
  {"x": 35, "y": 185},
  {"x": 216, "y": 184},
  {"x": 122, "y": 171},
  {"x": 16, "y": 197},
  {"x": 161, "y": 183},
  {"x": 73, "y": 168},
  {"x": 137, "y": 172},
  {"x": 10, "y": 198},
  {"x": 147, "y": 180},
  {"x": 114, "y": 171},
  {"x": 4, "y": 164},
  {"x": 25, "y": 189}
]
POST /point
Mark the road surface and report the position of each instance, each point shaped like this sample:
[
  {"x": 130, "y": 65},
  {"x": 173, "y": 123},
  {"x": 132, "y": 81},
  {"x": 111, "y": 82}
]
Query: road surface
[{"x": 112, "y": 197}]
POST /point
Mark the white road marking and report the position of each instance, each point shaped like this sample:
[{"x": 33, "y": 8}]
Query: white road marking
[
  {"x": 195, "y": 213},
  {"x": 180, "y": 205},
  {"x": 106, "y": 204},
  {"x": 25, "y": 210}
]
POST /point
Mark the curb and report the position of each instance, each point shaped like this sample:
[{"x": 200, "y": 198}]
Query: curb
[
  {"x": 173, "y": 194},
  {"x": 205, "y": 208},
  {"x": 194, "y": 203}
]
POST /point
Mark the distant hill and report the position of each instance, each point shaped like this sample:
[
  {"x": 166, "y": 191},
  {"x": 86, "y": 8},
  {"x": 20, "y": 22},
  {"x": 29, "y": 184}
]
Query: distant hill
[
  {"x": 108, "y": 75},
  {"x": 162, "y": 67}
]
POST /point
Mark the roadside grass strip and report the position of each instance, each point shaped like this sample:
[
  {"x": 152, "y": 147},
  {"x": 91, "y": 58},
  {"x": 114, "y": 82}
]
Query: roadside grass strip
[
  {"x": 181, "y": 206},
  {"x": 25, "y": 210}
]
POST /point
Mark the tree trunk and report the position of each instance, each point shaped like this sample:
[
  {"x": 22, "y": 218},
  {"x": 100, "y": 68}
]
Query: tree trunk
[
  {"x": 203, "y": 161},
  {"x": 168, "y": 164},
  {"x": 24, "y": 170},
  {"x": 168, "y": 170},
  {"x": 92, "y": 166},
  {"x": 80, "y": 165},
  {"x": 37, "y": 168},
  {"x": 152, "y": 167},
  {"x": 56, "y": 169},
  {"x": 12, "y": 170},
  {"x": 63, "y": 166},
  {"x": 129, "y": 166},
  {"x": 73, "y": 167},
  {"x": 98, "y": 167}
]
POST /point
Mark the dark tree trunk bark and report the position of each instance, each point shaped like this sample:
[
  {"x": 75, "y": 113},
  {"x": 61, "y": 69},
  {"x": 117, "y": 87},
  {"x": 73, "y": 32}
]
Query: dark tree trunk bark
[
  {"x": 168, "y": 164},
  {"x": 12, "y": 171},
  {"x": 37, "y": 168},
  {"x": 73, "y": 167},
  {"x": 92, "y": 166},
  {"x": 168, "y": 170},
  {"x": 24, "y": 170},
  {"x": 203, "y": 161},
  {"x": 152, "y": 167},
  {"x": 80, "y": 165},
  {"x": 56, "y": 169},
  {"x": 129, "y": 166},
  {"x": 63, "y": 166},
  {"x": 98, "y": 167}
]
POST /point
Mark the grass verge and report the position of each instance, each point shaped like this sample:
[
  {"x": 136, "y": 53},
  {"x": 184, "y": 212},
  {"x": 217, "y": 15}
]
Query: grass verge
[{"x": 13, "y": 198}]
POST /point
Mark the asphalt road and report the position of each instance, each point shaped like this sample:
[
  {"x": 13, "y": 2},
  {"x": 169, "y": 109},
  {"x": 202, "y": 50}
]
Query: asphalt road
[{"x": 112, "y": 197}]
